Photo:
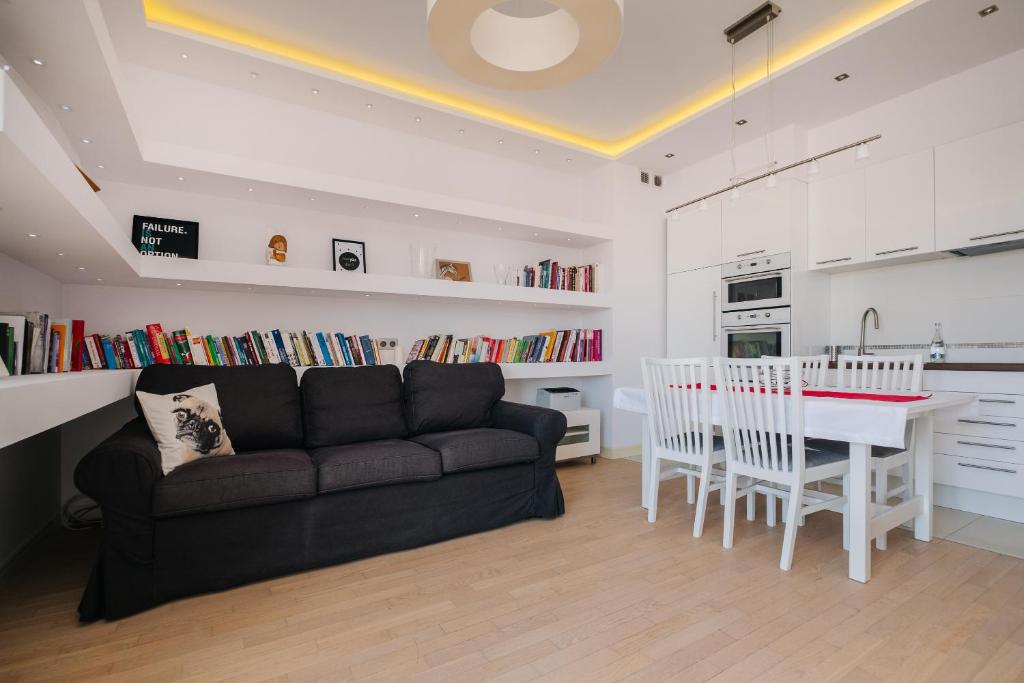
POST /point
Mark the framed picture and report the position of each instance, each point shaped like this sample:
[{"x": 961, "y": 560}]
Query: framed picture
[
  {"x": 349, "y": 256},
  {"x": 456, "y": 271}
]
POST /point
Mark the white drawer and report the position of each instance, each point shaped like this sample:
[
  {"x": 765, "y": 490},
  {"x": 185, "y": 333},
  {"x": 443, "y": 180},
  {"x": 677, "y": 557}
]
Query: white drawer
[
  {"x": 981, "y": 475},
  {"x": 994, "y": 426},
  {"x": 980, "y": 447},
  {"x": 1003, "y": 405}
]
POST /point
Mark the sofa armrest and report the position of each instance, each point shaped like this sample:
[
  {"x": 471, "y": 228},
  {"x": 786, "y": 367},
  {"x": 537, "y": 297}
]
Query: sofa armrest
[
  {"x": 544, "y": 424},
  {"x": 121, "y": 472}
]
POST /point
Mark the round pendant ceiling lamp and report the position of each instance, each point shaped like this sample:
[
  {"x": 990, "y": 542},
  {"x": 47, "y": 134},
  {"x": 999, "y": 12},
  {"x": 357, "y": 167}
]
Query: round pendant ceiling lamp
[{"x": 524, "y": 44}]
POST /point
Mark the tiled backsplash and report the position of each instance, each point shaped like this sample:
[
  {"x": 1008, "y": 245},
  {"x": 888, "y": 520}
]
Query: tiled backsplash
[{"x": 926, "y": 347}]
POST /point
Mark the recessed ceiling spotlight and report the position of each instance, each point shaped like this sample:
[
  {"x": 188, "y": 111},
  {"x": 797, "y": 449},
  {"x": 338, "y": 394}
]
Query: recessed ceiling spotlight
[
  {"x": 60, "y": 253},
  {"x": 177, "y": 284},
  {"x": 741, "y": 122},
  {"x": 7, "y": 67},
  {"x": 460, "y": 131},
  {"x": 535, "y": 234},
  {"x": 251, "y": 189},
  {"x": 32, "y": 234},
  {"x": 568, "y": 239},
  {"x": 184, "y": 55},
  {"x": 991, "y": 9},
  {"x": 312, "y": 199},
  {"x": 81, "y": 267},
  {"x": 65, "y": 107},
  {"x": 669, "y": 155},
  {"x": 501, "y": 142},
  {"x": 254, "y": 74},
  {"x": 100, "y": 166},
  {"x": 38, "y": 62},
  {"x": 417, "y": 119},
  {"x": 369, "y": 105},
  {"x": 842, "y": 77},
  {"x": 568, "y": 160},
  {"x": 415, "y": 215},
  {"x": 99, "y": 279},
  {"x": 536, "y": 151},
  {"x": 315, "y": 91},
  {"x": 181, "y": 179},
  {"x": 87, "y": 141}
]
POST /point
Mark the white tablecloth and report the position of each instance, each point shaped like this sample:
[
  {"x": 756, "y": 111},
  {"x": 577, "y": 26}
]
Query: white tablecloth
[{"x": 879, "y": 423}]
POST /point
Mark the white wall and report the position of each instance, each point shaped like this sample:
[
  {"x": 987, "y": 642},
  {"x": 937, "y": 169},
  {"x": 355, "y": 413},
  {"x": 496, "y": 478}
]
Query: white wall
[
  {"x": 29, "y": 469},
  {"x": 977, "y": 299}
]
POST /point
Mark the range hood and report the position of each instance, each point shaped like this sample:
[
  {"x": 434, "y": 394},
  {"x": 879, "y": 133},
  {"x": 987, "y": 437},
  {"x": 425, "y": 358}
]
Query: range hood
[{"x": 982, "y": 249}]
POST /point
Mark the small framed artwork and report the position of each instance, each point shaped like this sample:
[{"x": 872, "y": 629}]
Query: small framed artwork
[
  {"x": 455, "y": 271},
  {"x": 349, "y": 256}
]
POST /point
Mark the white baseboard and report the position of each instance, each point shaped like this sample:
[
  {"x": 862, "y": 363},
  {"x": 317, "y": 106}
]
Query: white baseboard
[
  {"x": 980, "y": 502},
  {"x": 619, "y": 452}
]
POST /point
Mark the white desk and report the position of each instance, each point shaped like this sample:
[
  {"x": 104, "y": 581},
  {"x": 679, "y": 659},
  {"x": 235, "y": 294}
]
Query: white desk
[{"x": 861, "y": 424}]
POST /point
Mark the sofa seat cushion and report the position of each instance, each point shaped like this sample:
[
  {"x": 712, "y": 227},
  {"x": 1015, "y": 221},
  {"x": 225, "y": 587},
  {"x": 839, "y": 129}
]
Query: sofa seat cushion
[
  {"x": 481, "y": 448},
  {"x": 235, "y": 481},
  {"x": 374, "y": 463}
]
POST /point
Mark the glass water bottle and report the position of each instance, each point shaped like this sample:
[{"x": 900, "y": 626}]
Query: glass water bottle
[{"x": 937, "y": 353}]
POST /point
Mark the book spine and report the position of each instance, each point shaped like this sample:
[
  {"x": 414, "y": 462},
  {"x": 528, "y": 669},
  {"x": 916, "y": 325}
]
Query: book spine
[
  {"x": 367, "y": 350},
  {"x": 77, "y": 342},
  {"x": 353, "y": 345},
  {"x": 325, "y": 352}
]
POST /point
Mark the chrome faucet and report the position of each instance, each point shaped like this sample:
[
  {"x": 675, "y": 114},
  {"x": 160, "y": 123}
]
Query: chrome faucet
[{"x": 863, "y": 330}]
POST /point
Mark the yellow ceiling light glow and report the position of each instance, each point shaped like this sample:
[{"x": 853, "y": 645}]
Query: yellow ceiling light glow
[{"x": 162, "y": 12}]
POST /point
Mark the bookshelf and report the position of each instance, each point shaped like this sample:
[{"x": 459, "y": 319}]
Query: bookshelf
[
  {"x": 30, "y": 404},
  {"x": 232, "y": 276}
]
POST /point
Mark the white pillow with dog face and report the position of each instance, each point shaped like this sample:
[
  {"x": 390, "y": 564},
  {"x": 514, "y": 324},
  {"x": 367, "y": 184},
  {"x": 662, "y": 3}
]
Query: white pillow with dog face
[{"x": 186, "y": 425}]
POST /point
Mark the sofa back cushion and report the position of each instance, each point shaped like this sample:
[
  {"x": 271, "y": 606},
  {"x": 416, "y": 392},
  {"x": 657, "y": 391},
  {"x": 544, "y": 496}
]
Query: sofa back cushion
[
  {"x": 348, "y": 405},
  {"x": 259, "y": 404},
  {"x": 440, "y": 397}
]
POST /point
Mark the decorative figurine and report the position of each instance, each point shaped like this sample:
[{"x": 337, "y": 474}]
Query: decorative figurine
[{"x": 277, "y": 250}]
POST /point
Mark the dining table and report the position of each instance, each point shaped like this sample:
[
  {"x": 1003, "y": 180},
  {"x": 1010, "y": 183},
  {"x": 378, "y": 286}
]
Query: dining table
[{"x": 862, "y": 420}]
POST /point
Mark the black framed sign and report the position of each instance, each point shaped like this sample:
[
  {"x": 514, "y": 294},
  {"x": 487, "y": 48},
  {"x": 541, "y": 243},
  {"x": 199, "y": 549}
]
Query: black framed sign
[
  {"x": 165, "y": 237},
  {"x": 349, "y": 256}
]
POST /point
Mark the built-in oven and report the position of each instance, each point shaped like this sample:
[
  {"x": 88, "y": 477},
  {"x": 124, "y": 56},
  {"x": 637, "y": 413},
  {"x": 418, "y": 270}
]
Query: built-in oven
[
  {"x": 756, "y": 333},
  {"x": 762, "y": 282}
]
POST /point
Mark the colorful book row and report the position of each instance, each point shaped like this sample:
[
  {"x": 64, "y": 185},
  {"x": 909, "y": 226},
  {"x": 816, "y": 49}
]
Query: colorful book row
[
  {"x": 549, "y": 275},
  {"x": 553, "y": 346}
]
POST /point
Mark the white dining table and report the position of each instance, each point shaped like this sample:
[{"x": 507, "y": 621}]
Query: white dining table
[{"x": 861, "y": 423}]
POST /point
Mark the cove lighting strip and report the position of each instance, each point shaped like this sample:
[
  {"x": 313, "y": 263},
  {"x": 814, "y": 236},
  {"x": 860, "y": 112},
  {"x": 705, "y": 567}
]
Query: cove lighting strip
[
  {"x": 164, "y": 13},
  {"x": 795, "y": 164}
]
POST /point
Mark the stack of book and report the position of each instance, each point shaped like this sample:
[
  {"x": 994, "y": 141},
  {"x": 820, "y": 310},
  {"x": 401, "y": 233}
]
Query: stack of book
[
  {"x": 553, "y": 346},
  {"x": 549, "y": 274},
  {"x": 35, "y": 343},
  {"x": 139, "y": 348}
]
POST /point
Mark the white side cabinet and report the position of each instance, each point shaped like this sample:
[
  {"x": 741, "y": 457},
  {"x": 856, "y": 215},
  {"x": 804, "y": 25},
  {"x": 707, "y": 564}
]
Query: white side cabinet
[
  {"x": 693, "y": 313},
  {"x": 978, "y": 181},
  {"x": 582, "y": 435},
  {"x": 836, "y": 221},
  {"x": 759, "y": 222},
  {"x": 694, "y": 238},
  {"x": 901, "y": 207}
]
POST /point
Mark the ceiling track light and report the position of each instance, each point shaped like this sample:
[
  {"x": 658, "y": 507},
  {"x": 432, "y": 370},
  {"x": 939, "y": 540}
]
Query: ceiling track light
[
  {"x": 814, "y": 168},
  {"x": 735, "y": 192},
  {"x": 809, "y": 160},
  {"x": 751, "y": 22},
  {"x": 772, "y": 181},
  {"x": 862, "y": 152}
]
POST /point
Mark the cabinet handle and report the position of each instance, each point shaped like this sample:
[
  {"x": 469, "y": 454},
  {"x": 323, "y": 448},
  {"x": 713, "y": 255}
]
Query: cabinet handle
[
  {"x": 750, "y": 253},
  {"x": 986, "y": 467},
  {"x": 714, "y": 316},
  {"x": 997, "y": 400},
  {"x": 895, "y": 251},
  {"x": 997, "y": 234},
  {"x": 834, "y": 260},
  {"x": 987, "y": 445},
  {"x": 987, "y": 422}
]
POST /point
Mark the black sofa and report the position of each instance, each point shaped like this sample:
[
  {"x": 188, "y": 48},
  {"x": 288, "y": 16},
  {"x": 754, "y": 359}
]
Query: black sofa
[{"x": 353, "y": 462}]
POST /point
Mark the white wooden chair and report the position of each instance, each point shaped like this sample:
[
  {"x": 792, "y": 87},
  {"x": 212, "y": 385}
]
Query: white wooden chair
[
  {"x": 894, "y": 374},
  {"x": 679, "y": 410},
  {"x": 764, "y": 440}
]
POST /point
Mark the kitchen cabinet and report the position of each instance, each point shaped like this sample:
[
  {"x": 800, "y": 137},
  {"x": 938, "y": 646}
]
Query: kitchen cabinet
[
  {"x": 694, "y": 238},
  {"x": 758, "y": 222},
  {"x": 836, "y": 224},
  {"x": 693, "y": 313},
  {"x": 978, "y": 198},
  {"x": 900, "y": 207}
]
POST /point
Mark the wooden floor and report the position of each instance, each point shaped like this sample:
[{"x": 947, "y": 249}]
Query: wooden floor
[{"x": 595, "y": 595}]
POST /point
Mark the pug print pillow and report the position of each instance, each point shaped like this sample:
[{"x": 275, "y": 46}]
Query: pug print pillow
[{"x": 187, "y": 425}]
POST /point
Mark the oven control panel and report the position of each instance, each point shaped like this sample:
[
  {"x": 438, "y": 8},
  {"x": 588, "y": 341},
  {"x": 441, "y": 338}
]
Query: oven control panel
[
  {"x": 759, "y": 264},
  {"x": 758, "y": 316}
]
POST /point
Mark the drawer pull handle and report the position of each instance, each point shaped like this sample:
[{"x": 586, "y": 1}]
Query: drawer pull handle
[
  {"x": 987, "y": 422},
  {"x": 997, "y": 234},
  {"x": 895, "y": 251},
  {"x": 986, "y": 467},
  {"x": 833, "y": 260},
  {"x": 987, "y": 445},
  {"x": 750, "y": 253},
  {"x": 1006, "y": 401}
]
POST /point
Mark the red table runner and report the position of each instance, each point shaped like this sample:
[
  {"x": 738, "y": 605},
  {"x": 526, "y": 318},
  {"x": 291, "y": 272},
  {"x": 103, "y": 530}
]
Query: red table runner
[{"x": 852, "y": 395}]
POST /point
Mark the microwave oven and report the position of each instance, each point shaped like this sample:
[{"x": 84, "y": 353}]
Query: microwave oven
[{"x": 757, "y": 283}]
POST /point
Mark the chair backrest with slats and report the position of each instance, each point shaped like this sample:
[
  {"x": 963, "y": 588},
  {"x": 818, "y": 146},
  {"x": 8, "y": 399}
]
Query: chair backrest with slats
[
  {"x": 679, "y": 405},
  {"x": 880, "y": 373},
  {"x": 761, "y": 414}
]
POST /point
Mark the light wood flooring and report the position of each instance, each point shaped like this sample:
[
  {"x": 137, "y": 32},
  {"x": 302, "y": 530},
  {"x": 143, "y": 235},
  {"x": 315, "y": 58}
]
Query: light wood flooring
[{"x": 596, "y": 595}]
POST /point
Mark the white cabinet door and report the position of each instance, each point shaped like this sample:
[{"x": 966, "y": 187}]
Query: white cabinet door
[
  {"x": 901, "y": 207},
  {"x": 694, "y": 238},
  {"x": 693, "y": 313},
  {"x": 835, "y": 221},
  {"x": 757, "y": 222},
  {"x": 978, "y": 181}
]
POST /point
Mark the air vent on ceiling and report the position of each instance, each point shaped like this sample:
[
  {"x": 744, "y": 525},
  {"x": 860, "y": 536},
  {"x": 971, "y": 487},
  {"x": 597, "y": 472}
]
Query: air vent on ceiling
[
  {"x": 645, "y": 177},
  {"x": 657, "y": 181}
]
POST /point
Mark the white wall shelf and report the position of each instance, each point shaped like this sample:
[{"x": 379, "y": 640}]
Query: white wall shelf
[
  {"x": 231, "y": 276},
  {"x": 31, "y": 404},
  {"x": 553, "y": 370}
]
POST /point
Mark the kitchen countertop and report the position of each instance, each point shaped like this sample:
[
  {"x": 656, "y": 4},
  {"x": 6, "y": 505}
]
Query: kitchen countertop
[{"x": 969, "y": 367}]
